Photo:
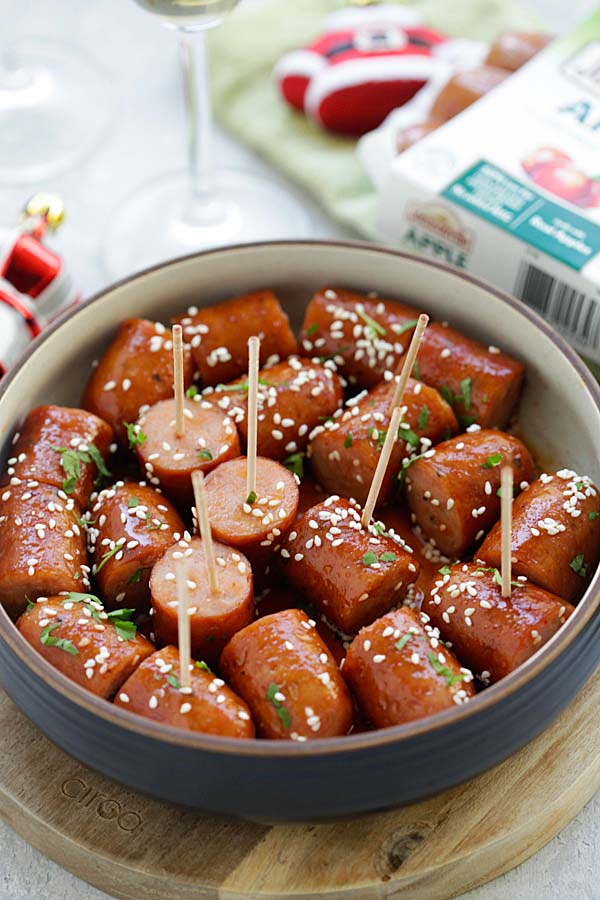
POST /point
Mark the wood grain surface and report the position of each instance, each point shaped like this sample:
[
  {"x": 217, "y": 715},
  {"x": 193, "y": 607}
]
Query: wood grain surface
[{"x": 136, "y": 848}]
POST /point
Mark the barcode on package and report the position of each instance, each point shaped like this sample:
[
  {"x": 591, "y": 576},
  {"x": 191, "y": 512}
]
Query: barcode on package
[{"x": 573, "y": 312}]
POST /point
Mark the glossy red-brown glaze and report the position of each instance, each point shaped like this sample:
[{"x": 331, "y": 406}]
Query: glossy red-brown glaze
[
  {"x": 399, "y": 671},
  {"x": 211, "y": 707},
  {"x": 555, "y": 534},
  {"x": 283, "y": 653},
  {"x": 453, "y": 494},
  {"x": 492, "y": 634}
]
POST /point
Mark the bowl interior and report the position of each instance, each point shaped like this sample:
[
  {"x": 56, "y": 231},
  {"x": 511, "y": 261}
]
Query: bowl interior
[{"x": 560, "y": 408}]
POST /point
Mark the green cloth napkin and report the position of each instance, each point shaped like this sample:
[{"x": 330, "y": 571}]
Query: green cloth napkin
[{"x": 243, "y": 53}]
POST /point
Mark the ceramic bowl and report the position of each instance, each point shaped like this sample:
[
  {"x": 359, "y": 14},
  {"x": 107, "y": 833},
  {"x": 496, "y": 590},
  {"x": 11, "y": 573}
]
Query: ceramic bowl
[{"x": 270, "y": 780}]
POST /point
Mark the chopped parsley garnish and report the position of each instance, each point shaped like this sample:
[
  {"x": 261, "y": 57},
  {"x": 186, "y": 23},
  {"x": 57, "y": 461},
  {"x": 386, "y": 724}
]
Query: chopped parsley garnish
[
  {"x": 579, "y": 565},
  {"x": 348, "y": 440},
  {"x": 241, "y": 386},
  {"x": 137, "y": 576},
  {"x": 332, "y": 356},
  {"x": 370, "y": 557},
  {"x": 375, "y": 327},
  {"x": 465, "y": 397},
  {"x": 30, "y": 604},
  {"x": 496, "y": 575},
  {"x": 325, "y": 418},
  {"x": 251, "y": 498},
  {"x": 423, "y": 418},
  {"x": 408, "y": 435},
  {"x": 401, "y": 644},
  {"x": 71, "y": 461},
  {"x": 401, "y": 329},
  {"x": 200, "y": 664},
  {"x": 133, "y": 502},
  {"x": 447, "y": 673},
  {"x": 173, "y": 680},
  {"x": 447, "y": 395},
  {"x": 286, "y": 719},
  {"x": 388, "y": 557},
  {"x": 121, "y": 619},
  {"x": 465, "y": 393},
  {"x": 379, "y": 527},
  {"x": 592, "y": 516},
  {"x": 191, "y": 392},
  {"x": 48, "y": 640},
  {"x": 405, "y": 466},
  {"x": 312, "y": 329},
  {"x": 492, "y": 461},
  {"x": 108, "y": 555},
  {"x": 205, "y": 454},
  {"x": 135, "y": 435},
  {"x": 416, "y": 370},
  {"x": 295, "y": 463},
  {"x": 465, "y": 421},
  {"x": 445, "y": 570}
]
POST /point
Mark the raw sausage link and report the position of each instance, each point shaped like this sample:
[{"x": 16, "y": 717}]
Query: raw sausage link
[
  {"x": 135, "y": 372},
  {"x": 76, "y": 635},
  {"x": 555, "y": 534},
  {"x": 491, "y": 634},
  {"x": 399, "y": 671},
  {"x": 154, "y": 691},
  {"x": 219, "y": 335},
  {"x": 288, "y": 678}
]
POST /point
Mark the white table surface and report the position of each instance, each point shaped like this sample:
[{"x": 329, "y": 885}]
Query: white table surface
[{"x": 147, "y": 139}]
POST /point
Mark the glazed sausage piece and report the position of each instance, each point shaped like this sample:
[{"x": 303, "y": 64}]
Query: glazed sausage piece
[
  {"x": 492, "y": 634},
  {"x": 154, "y": 691},
  {"x": 276, "y": 599},
  {"x": 555, "y": 534},
  {"x": 219, "y": 335},
  {"x": 136, "y": 371},
  {"x": 210, "y": 438},
  {"x": 513, "y": 49},
  {"x": 214, "y": 618},
  {"x": 293, "y": 398},
  {"x": 131, "y": 526},
  {"x": 78, "y": 637},
  {"x": 453, "y": 491},
  {"x": 463, "y": 89},
  {"x": 482, "y": 383},
  {"x": 363, "y": 335},
  {"x": 399, "y": 671},
  {"x": 253, "y": 525},
  {"x": 43, "y": 545},
  {"x": 396, "y": 520},
  {"x": 351, "y": 574},
  {"x": 63, "y": 447},
  {"x": 344, "y": 452},
  {"x": 288, "y": 678}
]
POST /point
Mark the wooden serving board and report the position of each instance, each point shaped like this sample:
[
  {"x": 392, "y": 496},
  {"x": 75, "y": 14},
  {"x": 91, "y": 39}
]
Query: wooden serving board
[{"x": 136, "y": 848}]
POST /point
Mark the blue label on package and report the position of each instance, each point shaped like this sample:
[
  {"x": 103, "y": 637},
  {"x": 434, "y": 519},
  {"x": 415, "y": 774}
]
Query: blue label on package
[{"x": 499, "y": 198}]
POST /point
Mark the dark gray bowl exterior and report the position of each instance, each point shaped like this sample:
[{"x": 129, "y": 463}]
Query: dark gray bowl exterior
[{"x": 270, "y": 780}]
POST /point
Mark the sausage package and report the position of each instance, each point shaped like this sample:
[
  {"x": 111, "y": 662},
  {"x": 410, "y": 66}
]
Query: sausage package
[{"x": 509, "y": 189}]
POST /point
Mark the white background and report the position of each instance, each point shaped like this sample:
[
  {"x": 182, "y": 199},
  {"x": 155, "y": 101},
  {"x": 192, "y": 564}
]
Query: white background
[{"x": 145, "y": 140}]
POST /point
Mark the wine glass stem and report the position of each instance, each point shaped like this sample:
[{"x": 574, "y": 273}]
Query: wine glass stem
[{"x": 198, "y": 116}]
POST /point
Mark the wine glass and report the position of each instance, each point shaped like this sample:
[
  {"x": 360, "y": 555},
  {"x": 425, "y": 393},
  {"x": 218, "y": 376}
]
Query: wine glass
[
  {"x": 55, "y": 106},
  {"x": 204, "y": 206}
]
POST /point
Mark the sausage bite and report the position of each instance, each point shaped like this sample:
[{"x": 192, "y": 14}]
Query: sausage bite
[
  {"x": 210, "y": 707},
  {"x": 351, "y": 574},
  {"x": 168, "y": 461},
  {"x": 135, "y": 371},
  {"x": 399, "y": 670},
  {"x": 254, "y": 525},
  {"x": 555, "y": 534},
  {"x": 492, "y": 634},
  {"x": 364, "y": 336},
  {"x": 214, "y": 618},
  {"x": 42, "y": 536},
  {"x": 345, "y": 451},
  {"x": 131, "y": 526},
  {"x": 288, "y": 678},
  {"x": 219, "y": 334},
  {"x": 63, "y": 447},
  {"x": 293, "y": 398},
  {"x": 96, "y": 649},
  {"x": 453, "y": 490}
]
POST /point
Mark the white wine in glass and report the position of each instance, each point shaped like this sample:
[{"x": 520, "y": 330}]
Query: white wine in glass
[
  {"x": 203, "y": 206},
  {"x": 189, "y": 13}
]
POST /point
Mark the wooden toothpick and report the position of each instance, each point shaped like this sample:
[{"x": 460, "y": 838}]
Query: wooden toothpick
[
  {"x": 183, "y": 624},
  {"x": 409, "y": 361},
  {"x": 253, "y": 362},
  {"x": 178, "y": 380},
  {"x": 382, "y": 464},
  {"x": 506, "y": 483},
  {"x": 205, "y": 532}
]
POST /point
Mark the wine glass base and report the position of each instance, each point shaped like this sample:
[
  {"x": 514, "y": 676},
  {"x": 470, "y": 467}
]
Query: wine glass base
[
  {"x": 157, "y": 223},
  {"x": 55, "y": 106}
]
